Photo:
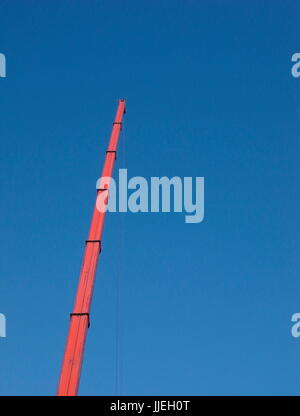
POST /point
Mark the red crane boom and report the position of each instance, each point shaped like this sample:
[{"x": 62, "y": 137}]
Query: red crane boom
[{"x": 80, "y": 317}]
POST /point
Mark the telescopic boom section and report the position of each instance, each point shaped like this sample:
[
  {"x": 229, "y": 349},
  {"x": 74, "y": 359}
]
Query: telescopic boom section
[{"x": 80, "y": 317}]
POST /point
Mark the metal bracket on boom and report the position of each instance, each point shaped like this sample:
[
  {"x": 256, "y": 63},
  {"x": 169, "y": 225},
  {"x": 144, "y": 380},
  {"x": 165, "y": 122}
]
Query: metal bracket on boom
[
  {"x": 93, "y": 241},
  {"x": 112, "y": 151},
  {"x": 81, "y": 314},
  {"x": 118, "y": 122}
]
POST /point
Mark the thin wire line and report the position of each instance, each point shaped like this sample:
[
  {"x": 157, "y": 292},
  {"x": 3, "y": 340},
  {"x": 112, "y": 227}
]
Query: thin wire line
[{"x": 119, "y": 294}]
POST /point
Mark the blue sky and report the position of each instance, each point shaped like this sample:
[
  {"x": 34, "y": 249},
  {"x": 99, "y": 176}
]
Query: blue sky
[{"x": 204, "y": 308}]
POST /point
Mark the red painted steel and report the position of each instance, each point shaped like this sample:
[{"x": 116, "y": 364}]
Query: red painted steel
[{"x": 80, "y": 317}]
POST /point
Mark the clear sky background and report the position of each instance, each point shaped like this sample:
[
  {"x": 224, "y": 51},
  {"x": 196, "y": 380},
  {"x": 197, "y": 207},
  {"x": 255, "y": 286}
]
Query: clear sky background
[{"x": 204, "y": 308}]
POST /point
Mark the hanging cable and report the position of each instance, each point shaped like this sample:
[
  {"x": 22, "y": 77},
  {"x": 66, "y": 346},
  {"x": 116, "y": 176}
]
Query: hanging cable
[{"x": 119, "y": 289}]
